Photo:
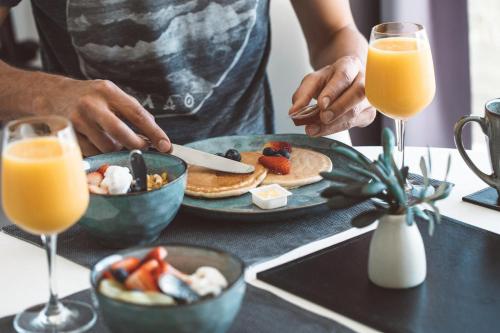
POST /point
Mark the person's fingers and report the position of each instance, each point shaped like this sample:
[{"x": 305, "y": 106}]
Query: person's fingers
[
  {"x": 95, "y": 135},
  {"x": 319, "y": 127},
  {"x": 87, "y": 148},
  {"x": 351, "y": 97},
  {"x": 141, "y": 119},
  {"x": 97, "y": 110},
  {"x": 350, "y": 119},
  {"x": 346, "y": 76},
  {"x": 130, "y": 109},
  {"x": 309, "y": 88}
]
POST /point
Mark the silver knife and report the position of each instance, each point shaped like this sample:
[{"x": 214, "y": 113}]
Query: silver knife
[
  {"x": 210, "y": 161},
  {"x": 207, "y": 160}
]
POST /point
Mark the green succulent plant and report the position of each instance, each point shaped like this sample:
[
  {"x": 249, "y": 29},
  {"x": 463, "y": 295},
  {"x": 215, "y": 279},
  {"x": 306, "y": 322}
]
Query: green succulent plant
[{"x": 383, "y": 180}]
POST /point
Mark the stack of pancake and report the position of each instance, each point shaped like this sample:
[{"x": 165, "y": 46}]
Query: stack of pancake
[{"x": 305, "y": 168}]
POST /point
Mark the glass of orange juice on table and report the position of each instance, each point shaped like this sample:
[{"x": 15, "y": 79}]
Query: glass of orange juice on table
[
  {"x": 399, "y": 74},
  {"x": 44, "y": 192}
]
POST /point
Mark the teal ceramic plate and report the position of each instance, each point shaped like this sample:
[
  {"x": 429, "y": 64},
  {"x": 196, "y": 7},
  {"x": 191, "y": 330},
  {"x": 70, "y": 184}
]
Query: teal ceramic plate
[{"x": 304, "y": 199}]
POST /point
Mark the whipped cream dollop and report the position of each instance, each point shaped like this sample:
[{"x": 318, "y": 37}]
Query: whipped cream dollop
[
  {"x": 117, "y": 179},
  {"x": 207, "y": 281}
]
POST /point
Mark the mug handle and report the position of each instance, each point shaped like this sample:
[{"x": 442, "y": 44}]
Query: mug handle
[{"x": 488, "y": 179}]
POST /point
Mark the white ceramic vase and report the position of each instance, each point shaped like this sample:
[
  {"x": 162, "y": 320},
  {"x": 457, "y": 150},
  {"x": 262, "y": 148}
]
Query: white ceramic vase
[{"x": 397, "y": 254}]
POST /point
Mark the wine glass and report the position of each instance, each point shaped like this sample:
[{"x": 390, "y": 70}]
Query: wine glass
[
  {"x": 400, "y": 75},
  {"x": 44, "y": 192}
]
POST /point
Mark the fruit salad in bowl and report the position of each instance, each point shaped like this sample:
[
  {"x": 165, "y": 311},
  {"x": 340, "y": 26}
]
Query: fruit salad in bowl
[
  {"x": 128, "y": 209},
  {"x": 152, "y": 280},
  {"x": 171, "y": 288},
  {"x": 115, "y": 179}
]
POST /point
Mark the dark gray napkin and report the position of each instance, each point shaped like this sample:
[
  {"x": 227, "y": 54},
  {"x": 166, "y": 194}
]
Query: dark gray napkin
[
  {"x": 261, "y": 312},
  {"x": 252, "y": 242}
]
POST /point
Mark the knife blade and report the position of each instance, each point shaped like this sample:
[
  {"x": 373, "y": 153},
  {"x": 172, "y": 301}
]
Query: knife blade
[{"x": 210, "y": 161}]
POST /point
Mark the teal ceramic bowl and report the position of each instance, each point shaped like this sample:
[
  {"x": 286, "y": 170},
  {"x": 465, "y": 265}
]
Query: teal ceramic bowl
[
  {"x": 119, "y": 221},
  {"x": 212, "y": 315}
]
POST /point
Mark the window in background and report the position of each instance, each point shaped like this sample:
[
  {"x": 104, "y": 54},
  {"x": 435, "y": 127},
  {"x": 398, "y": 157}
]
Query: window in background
[{"x": 484, "y": 41}]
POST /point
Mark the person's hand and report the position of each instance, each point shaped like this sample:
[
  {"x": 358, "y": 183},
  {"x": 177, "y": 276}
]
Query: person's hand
[
  {"x": 98, "y": 109},
  {"x": 340, "y": 91}
]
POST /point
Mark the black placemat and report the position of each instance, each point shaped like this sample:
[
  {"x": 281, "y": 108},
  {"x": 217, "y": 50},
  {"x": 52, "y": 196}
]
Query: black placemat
[
  {"x": 487, "y": 197},
  {"x": 461, "y": 292},
  {"x": 261, "y": 312}
]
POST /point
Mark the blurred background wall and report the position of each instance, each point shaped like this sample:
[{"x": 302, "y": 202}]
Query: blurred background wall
[{"x": 288, "y": 64}]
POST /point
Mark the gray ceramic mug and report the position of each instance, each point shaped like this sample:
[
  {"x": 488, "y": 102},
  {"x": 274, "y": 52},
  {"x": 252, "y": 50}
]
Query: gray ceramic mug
[{"x": 490, "y": 124}]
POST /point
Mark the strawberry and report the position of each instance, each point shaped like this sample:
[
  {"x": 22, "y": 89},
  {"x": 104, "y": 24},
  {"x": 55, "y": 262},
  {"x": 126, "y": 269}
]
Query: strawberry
[
  {"x": 158, "y": 253},
  {"x": 97, "y": 190},
  {"x": 279, "y": 145},
  {"x": 102, "y": 169},
  {"x": 276, "y": 164},
  {"x": 94, "y": 178},
  {"x": 163, "y": 267},
  {"x": 129, "y": 264},
  {"x": 107, "y": 275},
  {"x": 143, "y": 277}
]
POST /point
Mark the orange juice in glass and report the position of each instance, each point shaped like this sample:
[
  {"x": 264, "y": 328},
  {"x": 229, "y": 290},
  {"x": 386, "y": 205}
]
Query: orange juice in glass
[
  {"x": 400, "y": 76},
  {"x": 399, "y": 73},
  {"x": 44, "y": 191},
  {"x": 40, "y": 173}
]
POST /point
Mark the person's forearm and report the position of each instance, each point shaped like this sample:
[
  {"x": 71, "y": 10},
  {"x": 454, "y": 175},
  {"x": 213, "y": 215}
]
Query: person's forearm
[
  {"x": 345, "y": 42},
  {"x": 20, "y": 90}
]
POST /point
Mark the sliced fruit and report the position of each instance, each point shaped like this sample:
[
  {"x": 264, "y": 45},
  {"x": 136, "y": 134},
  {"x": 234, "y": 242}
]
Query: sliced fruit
[
  {"x": 158, "y": 253},
  {"x": 110, "y": 288},
  {"x": 276, "y": 164},
  {"x": 160, "y": 298},
  {"x": 134, "y": 296},
  {"x": 129, "y": 264},
  {"x": 279, "y": 145},
  {"x": 108, "y": 275},
  {"x": 94, "y": 178},
  {"x": 172, "y": 286},
  {"x": 102, "y": 169},
  {"x": 143, "y": 278},
  {"x": 163, "y": 267},
  {"x": 98, "y": 190}
]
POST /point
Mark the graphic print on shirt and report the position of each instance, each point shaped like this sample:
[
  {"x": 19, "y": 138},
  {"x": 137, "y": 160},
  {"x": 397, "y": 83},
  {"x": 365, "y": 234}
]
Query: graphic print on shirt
[{"x": 169, "y": 54}]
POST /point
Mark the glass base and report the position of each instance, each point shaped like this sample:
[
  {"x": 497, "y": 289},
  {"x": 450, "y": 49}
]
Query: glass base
[{"x": 72, "y": 317}]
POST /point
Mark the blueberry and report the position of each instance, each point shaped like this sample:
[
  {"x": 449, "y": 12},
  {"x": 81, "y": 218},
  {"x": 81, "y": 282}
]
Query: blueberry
[
  {"x": 220, "y": 154},
  {"x": 119, "y": 274},
  {"x": 233, "y": 154},
  {"x": 268, "y": 151},
  {"x": 284, "y": 153}
]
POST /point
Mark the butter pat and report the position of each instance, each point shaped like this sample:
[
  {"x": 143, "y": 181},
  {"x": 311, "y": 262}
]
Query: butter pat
[{"x": 270, "y": 196}]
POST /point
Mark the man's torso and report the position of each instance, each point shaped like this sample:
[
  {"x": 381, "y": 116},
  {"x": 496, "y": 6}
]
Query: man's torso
[{"x": 198, "y": 66}]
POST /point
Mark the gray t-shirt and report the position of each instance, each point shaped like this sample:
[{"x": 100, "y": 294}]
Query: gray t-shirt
[{"x": 197, "y": 65}]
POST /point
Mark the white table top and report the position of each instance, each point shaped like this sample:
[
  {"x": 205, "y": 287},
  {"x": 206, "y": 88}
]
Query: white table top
[{"x": 24, "y": 268}]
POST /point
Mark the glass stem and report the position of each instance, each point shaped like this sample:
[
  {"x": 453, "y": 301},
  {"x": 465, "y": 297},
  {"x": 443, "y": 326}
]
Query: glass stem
[
  {"x": 53, "y": 307},
  {"x": 400, "y": 140}
]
